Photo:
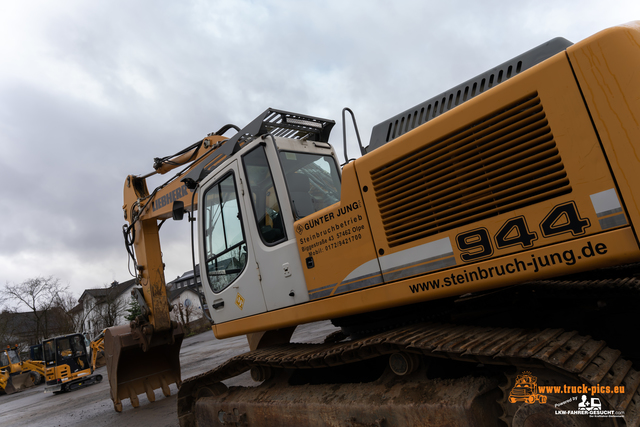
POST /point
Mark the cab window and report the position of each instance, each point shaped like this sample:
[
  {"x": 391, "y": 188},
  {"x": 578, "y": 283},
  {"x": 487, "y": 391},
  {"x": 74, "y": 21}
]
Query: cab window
[
  {"x": 313, "y": 181},
  {"x": 78, "y": 345},
  {"x": 49, "y": 352},
  {"x": 264, "y": 198},
  {"x": 35, "y": 352},
  {"x": 64, "y": 347},
  {"x": 224, "y": 243},
  {"x": 13, "y": 356}
]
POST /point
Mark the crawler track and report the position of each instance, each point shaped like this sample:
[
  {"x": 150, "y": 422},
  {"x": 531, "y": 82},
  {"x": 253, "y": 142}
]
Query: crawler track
[
  {"x": 580, "y": 357},
  {"x": 561, "y": 356}
]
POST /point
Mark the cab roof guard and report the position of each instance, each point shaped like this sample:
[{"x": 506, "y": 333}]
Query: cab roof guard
[{"x": 275, "y": 122}]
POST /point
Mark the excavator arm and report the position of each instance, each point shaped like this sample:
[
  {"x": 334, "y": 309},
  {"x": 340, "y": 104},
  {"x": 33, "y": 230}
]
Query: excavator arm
[
  {"x": 97, "y": 351},
  {"x": 144, "y": 355}
]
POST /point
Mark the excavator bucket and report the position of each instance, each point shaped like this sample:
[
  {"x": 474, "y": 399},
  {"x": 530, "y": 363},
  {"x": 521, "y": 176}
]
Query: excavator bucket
[
  {"x": 19, "y": 382},
  {"x": 133, "y": 371},
  {"x": 101, "y": 360},
  {"x": 7, "y": 388}
]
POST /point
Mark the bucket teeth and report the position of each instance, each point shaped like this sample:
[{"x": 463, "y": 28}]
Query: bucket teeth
[
  {"x": 150, "y": 394},
  {"x": 133, "y": 371}
]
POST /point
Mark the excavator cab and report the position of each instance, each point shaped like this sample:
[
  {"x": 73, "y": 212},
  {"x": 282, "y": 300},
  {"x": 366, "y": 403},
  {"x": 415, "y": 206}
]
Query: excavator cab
[
  {"x": 243, "y": 227},
  {"x": 9, "y": 359},
  {"x": 67, "y": 364},
  {"x": 9, "y": 371}
]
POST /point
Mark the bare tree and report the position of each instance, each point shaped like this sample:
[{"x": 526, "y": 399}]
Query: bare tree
[
  {"x": 73, "y": 319},
  {"x": 39, "y": 295},
  {"x": 182, "y": 315},
  {"x": 3, "y": 300},
  {"x": 185, "y": 313},
  {"x": 8, "y": 332},
  {"x": 109, "y": 308}
]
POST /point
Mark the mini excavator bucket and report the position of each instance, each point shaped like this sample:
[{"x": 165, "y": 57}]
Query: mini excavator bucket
[
  {"x": 135, "y": 367},
  {"x": 19, "y": 382},
  {"x": 101, "y": 360}
]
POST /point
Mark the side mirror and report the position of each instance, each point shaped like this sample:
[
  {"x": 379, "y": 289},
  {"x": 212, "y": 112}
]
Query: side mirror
[{"x": 177, "y": 210}]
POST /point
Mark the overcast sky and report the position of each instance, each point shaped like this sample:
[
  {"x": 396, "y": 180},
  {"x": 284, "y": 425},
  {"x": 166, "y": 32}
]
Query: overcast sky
[{"x": 91, "y": 91}]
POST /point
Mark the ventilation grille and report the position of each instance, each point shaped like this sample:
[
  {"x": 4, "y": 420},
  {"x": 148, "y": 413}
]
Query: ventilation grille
[
  {"x": 506, "y": 161},
  {"x": 402, "y": 123},
  {"x": 448, "y": 101}
]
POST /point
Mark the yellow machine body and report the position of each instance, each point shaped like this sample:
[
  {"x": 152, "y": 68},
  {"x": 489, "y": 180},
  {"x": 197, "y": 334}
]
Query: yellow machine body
[
  {"x": 440, "y": 211},
  {"x": 16, "y": 375}
]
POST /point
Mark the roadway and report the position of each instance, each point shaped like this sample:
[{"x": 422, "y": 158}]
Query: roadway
[{"x": 93, "y": 406}]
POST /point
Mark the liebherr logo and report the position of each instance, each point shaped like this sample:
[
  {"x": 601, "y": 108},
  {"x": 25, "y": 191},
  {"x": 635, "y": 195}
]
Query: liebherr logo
[{"x": 176, "y": 194}]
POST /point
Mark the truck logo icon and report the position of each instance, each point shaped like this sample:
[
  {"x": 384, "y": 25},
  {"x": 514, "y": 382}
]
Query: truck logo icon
[
  {"x": 526, "y": 390},
  {"x": 594, "y": 405}
]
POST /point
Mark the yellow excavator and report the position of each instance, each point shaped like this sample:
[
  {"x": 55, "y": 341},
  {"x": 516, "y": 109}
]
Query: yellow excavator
[
  {"x": 67, "y": 364},
  {"x": 486, "y": 232},
  {"x": 15, "y": 374}
]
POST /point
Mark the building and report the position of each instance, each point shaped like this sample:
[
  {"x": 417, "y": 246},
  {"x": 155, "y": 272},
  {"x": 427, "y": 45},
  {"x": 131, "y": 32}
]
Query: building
[
  {"x": 104, "y": 307},
  {"x": 184, "y": 294},
  {"x": 98, "y": 309},
  {"x": 187, "y": 279},
  {"x": 29, "y": 328}
]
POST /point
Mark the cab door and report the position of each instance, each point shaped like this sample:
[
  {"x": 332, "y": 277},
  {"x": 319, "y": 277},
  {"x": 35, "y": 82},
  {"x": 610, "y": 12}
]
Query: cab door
[
  {"x": 228, "y": 267},
  {"x": 275, "y": 247}
]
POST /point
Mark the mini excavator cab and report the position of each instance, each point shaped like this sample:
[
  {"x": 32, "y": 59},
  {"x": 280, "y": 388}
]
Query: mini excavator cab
[{"x": 67, "y": 365}]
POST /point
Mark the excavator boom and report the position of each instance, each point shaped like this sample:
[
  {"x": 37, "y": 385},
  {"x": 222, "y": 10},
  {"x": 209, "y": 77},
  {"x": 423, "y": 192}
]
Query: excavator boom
[{"x": 144, "y": 355}]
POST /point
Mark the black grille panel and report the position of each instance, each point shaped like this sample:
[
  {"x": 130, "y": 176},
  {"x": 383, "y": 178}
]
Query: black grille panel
[{"x": 505, "y": 161}]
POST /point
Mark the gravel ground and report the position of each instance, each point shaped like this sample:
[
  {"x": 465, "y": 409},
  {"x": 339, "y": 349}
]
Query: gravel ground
[{"x": 92, "y": 405}]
